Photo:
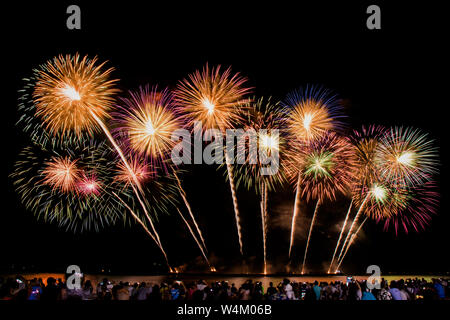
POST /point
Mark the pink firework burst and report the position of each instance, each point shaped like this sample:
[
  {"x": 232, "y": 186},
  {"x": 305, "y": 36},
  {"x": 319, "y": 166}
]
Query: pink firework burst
[
  {"x": 89, "y": 184},
  {"x": 422, "y": 204}
]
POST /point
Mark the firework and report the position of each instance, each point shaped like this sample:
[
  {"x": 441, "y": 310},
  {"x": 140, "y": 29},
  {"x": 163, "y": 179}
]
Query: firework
[
  {"x": 140, "y": 168},
  {"x": 422, "y": 202},
  {"x": 159, "y": 192},
  {"x": 384, "y": 199},
  {"x": 263, "y": 204},
  {"x": 292, "y": 164},
  {"x": 68, "y": 90},
  {"x": 72, "y": 97},
  {"x": 146, "y": 121},
  {"x": 61, "y": 173},
  {"x": 309, "y": 235},
  {"x": 214, "y": 98},
  {"x": 365, "y": 143},
  {"x": 195, "y": 238},
  {"x": 340, "y": 236},
  {"x": 366, "y": 172},
  {"x": 295, "y": 213},
  {"x": 89, "y": 199},
  {"x": 260, "y": 117},
  {"x": 235, "y": 202},
  {"x": 89, "y": 184},
  {"x": 32, "y": 125},
  {"x": 406, "y": 156},
  {"x": 54, "y": 185},
  {"x": 144, "y": 226},
  {"x": 377, "y": 200},
  {"x": 407, "y": 207},
  {"x": 309, "y": 114},
  {"x": 188, "y": 207},
  {"x": 378, "y": 194},
  {"x": 352, "y": 239},
  {"x": 327, "y": 168}
]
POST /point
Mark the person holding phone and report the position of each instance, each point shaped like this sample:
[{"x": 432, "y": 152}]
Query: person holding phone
[{"x": 36, "y": 290}]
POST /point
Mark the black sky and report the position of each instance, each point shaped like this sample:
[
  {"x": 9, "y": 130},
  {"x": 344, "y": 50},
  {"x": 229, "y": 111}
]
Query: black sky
[{"x": 394, "y": 76}]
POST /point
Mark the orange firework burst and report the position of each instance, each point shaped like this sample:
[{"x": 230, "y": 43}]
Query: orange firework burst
[
  {"x": 310, "y": 113},
  {"x": 139, "y": 167},
  {"x": 212, "y": 97},
  {"x": 148, "y": 119},
  {"x": 68, "y": 90},
  {"x": 61, "y": 173},
  {"x": 365, "y": 142}
]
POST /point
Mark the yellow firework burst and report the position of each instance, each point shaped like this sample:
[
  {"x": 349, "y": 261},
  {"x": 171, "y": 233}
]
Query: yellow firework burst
[
  {"x": 406, "y": 156},
  {"x": 212, "y": 97},
  {"x": 310, "y": 113},
  {"x": 69, "y": 90},
  {"x": 61, "y": 173},
  {"x": 148, "y": 119},
  {"x": 260, "y": 121}
]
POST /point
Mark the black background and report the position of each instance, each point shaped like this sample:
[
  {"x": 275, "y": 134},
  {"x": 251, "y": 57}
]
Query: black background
[{"x": 394, "y": 76}]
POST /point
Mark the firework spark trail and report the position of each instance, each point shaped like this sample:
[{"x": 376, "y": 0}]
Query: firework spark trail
[
  {"x": 133, "y": 175},
  {"x": 264, "y": 222},
  {"x": 214, "y": 98},
  {"x": 195, "y": 238},
  {"x": 127, "y": 165},
  {"x": 295, "y": 213},
  {"x": 309, "y": 234},
  {"x": 183, "y": 195},
  {"x": 145, "y": 228},
  {"x": 119, "y": 151},
  {"x": 146, "y": 214},
  {"x": 135, "y": 216},
  {"x": 355, "y": 220},
  {"x": 235, "y": 201},
  {"x": 340, "y": 236},
  {"x": 351, "y": 241},
  {"x": 263, "y": 226}
]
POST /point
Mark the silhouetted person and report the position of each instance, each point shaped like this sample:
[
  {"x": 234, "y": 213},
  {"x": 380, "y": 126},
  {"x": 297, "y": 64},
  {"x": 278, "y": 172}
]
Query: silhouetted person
[{"x": 51, "y": 291}]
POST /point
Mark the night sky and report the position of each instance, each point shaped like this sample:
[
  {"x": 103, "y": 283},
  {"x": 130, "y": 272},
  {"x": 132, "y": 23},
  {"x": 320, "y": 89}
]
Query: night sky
[{"x": 393, "y": 76}]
